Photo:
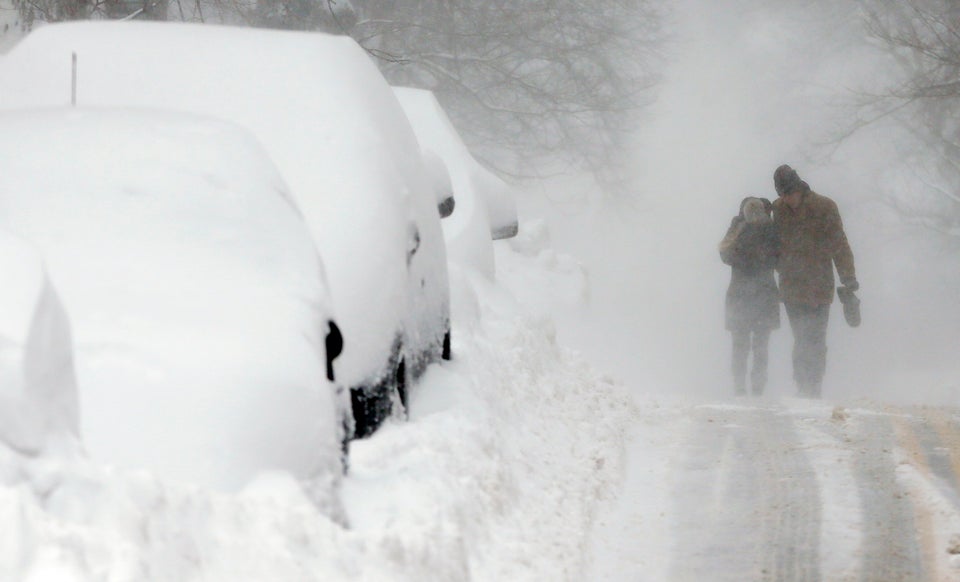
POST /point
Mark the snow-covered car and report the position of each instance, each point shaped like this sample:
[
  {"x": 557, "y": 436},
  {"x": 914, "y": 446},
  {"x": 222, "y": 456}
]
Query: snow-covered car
[
  {"x": 328, "y": 118},
  {"x": 196, "y": 296},
  {"x": 476, "y": 189},
  {"x": 38, "y": 391}
]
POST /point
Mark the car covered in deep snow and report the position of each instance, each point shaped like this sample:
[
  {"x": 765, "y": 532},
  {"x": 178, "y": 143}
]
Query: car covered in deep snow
[
  {"x": 196, "y": 296},
  {"x": 483, "y": 200},
  {"x": 340, "y": 139}
]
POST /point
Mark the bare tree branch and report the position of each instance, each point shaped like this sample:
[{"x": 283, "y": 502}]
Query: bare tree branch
[{"x": 923, "y": 37}]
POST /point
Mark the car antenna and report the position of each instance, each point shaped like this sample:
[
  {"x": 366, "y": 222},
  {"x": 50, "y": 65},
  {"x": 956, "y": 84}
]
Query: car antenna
[{"x": 73, "y": 81}]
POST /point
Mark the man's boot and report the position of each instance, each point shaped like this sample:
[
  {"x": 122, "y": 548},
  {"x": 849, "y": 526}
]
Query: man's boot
[
  {"x": 808, "y": 390},
  {"x": 815, "y": 389},
  {"x": 740, "y": 385}
]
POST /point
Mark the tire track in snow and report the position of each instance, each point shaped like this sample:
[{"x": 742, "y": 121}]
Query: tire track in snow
[
  {"x": 841, "y": 520},
  {"x": 924, "y": 525},
  {"x": 890, "y": 550},
  {"x": 795, "y": 493},
  {"x": 746, "y": 504},
  {"x": 937, "y": 431},
  {"x": 928, "y": 446},
  {"x": 794, "y": 540}
]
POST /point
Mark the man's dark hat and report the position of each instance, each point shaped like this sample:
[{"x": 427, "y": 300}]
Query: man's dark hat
[{"x": 786, "y": 180}]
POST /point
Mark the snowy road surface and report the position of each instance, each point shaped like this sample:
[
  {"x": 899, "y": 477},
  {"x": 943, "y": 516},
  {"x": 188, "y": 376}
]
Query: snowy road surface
[{"x": 793, "y": 491}]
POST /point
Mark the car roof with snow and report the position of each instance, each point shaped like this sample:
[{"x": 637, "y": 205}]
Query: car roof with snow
[{"x": 317, "y": 103}]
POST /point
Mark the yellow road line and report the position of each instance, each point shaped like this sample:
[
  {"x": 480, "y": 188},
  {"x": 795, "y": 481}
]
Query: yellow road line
[
  {"x": 949, "y": 436},
  {"x": 923, "y": 518}
]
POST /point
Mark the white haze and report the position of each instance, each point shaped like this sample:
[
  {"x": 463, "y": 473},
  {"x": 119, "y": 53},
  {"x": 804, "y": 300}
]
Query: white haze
[{"x": 748, "y": 87}]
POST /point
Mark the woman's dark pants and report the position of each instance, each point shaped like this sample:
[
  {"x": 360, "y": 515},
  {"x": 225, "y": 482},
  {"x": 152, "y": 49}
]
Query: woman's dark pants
[{"x": 743, "y": 341}]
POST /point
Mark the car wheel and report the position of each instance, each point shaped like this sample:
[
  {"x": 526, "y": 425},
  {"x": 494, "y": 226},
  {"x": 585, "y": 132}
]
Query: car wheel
[
  {"x": 371, "y": 405},
  {"x": 368, "y": 410}
]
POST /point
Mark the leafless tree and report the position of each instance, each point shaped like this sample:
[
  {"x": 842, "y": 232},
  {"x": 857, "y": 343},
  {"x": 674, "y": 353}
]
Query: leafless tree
[
  {"x": 33, "y": 11},
  {"x": 321, "y": 15},
  {"x": 552, "y": 82},
  {"x": 922, "y": 38}
]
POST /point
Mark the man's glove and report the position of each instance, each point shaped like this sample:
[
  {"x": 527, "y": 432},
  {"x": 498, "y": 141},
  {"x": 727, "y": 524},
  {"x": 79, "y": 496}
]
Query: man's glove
[{"x": 851, "y": 283}]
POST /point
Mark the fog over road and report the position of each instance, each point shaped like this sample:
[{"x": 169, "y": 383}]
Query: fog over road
[{"x": 862, "y": 485}]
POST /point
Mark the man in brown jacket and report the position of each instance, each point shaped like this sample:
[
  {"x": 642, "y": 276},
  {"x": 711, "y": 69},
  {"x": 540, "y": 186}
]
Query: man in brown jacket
[{"x": 812, "y": 242}]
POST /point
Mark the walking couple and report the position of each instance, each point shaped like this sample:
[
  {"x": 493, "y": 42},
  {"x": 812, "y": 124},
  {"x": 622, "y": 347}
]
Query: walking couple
[{"x": 801, "y": 236}]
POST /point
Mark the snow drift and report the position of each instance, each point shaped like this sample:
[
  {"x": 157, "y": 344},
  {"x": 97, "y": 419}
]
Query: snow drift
[{"x": 38, "y": 393}]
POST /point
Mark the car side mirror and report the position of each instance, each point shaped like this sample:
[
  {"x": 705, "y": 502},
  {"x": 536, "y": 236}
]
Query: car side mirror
[
  {"x": 334, "y": 345},
  {"x": 446, "y": 206},
  {"x": 440, "y": 182}
]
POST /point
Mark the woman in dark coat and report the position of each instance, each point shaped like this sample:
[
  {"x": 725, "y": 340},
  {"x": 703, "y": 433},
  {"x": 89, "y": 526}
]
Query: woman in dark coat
[{"x": 751, "y": 247}]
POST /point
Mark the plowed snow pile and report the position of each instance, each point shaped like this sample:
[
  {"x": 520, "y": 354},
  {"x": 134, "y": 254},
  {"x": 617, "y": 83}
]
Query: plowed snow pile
[{"x": 496, "y": 476}]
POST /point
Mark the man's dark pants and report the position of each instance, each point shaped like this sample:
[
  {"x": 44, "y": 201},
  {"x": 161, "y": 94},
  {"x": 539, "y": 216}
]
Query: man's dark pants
[{"x": 809, "y": 325}]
